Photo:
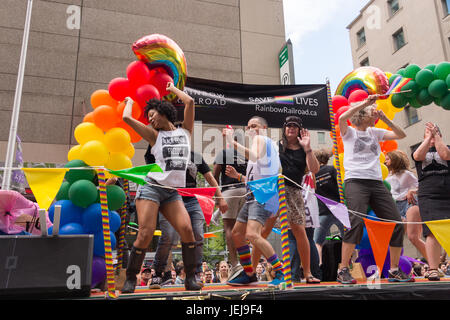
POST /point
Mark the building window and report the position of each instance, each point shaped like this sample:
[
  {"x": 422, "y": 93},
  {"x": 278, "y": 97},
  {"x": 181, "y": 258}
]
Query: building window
[
  {"x": 446, "y": 7},
  {"x": 399, "y": 39},
  {"x": 361, "y": 37},
  {"x": 321, "y": 137},
  {"x": 411, "y": 115},
  {"x": 393, "y": 7},
  {"x": 365, "y": 63}
]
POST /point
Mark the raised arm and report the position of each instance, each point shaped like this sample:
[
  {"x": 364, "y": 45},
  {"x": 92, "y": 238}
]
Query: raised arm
[
  {"x": 189, "y": 107},
  {"x": 343, "y": 126},
  {"x": 311, "y": 160},
  {"x": 421, "y": 151},
  {"x": 220, "y": 201},
  {"x": 255, "y": 152},
  {"x": 396, "y": 133},
  {"x": 441, "y": 147},
  {"x": 146, "y": 132}
]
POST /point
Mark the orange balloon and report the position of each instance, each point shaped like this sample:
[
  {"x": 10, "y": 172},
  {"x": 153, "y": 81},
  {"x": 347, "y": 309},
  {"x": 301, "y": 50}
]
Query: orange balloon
[
  {"x": 389, "y": 145},
  {"x": 102, "y": 98},
  {"x": 89, "y": 117},
  {"x": 340, "y": 145},
  {"x": 135, "y": 137},
  {"x": 135, "y": 112},
  {"x": 106, "y": 117}
]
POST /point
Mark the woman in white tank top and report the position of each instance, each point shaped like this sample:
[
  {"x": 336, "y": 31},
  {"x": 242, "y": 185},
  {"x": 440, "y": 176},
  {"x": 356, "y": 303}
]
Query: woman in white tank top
[{"x": 171, "y": 148}]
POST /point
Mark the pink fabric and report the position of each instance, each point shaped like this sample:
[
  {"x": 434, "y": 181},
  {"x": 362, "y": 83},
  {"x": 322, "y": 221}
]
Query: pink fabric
[{"x": 17, "y": 205}]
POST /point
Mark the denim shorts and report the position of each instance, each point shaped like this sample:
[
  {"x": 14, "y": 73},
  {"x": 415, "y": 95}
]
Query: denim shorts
[
  {"x": 253, "y": 210},
  {"x": 403, "y": 207},
  {"x": 160, "y": 195}
]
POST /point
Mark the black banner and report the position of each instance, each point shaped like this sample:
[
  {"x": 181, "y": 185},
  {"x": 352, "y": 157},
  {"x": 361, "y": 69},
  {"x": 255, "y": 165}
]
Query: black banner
[{"x": 225, "y": 103}]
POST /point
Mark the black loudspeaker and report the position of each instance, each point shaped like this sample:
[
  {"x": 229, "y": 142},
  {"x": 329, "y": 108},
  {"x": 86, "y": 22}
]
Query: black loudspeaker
[{"x": 45, "y": 267}]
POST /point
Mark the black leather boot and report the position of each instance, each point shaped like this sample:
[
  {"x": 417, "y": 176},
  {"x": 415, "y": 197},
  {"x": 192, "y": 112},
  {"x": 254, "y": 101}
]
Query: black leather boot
[
  {"x": 134, "y": 267},
  {"x": 190, "y": 264}
]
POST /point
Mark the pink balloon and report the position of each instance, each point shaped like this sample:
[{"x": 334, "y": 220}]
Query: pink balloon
[
  {"x": 357, "y": 95},
  {"x": 138, "y": 73},
  {"x": 145, "y": 93},
  {"x": 160, "y": 80},
  {"x": 119, "y": 88}
]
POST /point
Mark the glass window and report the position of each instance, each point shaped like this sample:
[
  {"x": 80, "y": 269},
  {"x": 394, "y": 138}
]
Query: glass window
[
  {"x": 399, "y": 39},
  {"x": 411, "y": 115},
  {"x": 321, "y": 137},
  {"x": 365, "y": 62},
  {"x": 446, "y": 7},
  {"x": 361, "y": 36},
  {"x": 393, "y": 6}
]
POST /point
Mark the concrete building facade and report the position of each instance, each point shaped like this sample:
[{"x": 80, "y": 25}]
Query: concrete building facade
[
  {"x": 425, "y": 29},
  {"x": 79, "y": 46}
]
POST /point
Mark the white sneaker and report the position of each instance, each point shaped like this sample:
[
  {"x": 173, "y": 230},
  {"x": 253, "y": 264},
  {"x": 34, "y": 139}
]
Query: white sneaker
[
  {"x": 215, "y": 217},
  {"x": 235, "y": 271}
]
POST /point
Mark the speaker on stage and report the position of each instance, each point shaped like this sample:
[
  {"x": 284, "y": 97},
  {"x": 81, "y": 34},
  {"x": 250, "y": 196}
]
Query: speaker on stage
[{"x": 45, "y": 267}]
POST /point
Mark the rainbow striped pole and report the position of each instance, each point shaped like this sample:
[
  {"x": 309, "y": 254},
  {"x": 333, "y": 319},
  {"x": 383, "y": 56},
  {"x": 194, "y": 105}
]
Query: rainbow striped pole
[
  {"x": 284, "y": 232},
  {"x": 123, "y": 215},
  {"x": 335, "y": 147},
  {"x": 111, "y": 294}
]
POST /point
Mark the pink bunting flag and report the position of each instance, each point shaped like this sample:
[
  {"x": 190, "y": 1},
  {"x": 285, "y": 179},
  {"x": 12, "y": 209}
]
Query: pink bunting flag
[{"x": 204, "y": 198}]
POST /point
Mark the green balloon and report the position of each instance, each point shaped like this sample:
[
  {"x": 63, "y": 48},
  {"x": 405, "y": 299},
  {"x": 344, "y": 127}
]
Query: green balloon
[
  {"x": 437, "y": 101},
  {"x": 63, "y": 193},
  {"x": 445, "y": 102},
  {"x": 424, "y": 78},
  {"x": 392, "y": 78},
  {"x": 116, "y": 197},
  {"x": 442, "y": 70},
  {"x": 438, "y": 88},
  {"x": 411, "y": 71},
  {"x": 431, "y": 67},
  {"x": 447, "y": 81},
  {"x": 411, "y": 88},
  {"x": 398, "y": 101},
  {"x": 424, "y": 97},
  {"x": 387, "y": 184},
  {"x": 77, "y": 174},
  {"x": 83, "y": 193},
  {"x": 413, "y": 102},
  {"x": 401, "y": 72}
]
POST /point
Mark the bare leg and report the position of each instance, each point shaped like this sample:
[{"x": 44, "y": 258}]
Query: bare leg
[
  {"x": 414, "y": 231},
  {"x": 147, "y": 212},
  {"x": 175, "y": 212},
  {"x": 266, "y": 230},
  {"x": 395, "y": 253},
  {"x": 347, "y": 251},
  {"x": 433, "y": 251},
  {"x": 228, "y": 225}
]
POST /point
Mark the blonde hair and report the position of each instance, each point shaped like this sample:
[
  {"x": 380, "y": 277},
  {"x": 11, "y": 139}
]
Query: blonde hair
[{"x": 358, "y": 117}]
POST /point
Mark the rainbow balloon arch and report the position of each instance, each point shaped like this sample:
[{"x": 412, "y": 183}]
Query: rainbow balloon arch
[{"x": 105, "y": 144}]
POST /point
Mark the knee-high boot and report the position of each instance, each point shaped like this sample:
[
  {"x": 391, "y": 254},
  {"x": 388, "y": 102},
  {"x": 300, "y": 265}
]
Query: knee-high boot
[
  {"x": 134, "y": 267},
  {"x": 190, "y": 264}
]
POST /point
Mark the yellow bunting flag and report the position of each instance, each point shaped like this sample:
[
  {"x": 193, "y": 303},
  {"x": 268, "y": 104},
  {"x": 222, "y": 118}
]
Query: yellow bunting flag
[
  {"x": 45, "y": 183},
  {"x": 380, "y": 234},
  {"x": 441, "y": 230}
]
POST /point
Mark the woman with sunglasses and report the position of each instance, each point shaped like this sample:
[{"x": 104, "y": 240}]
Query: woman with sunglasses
[{"x": 171, "y": 149}]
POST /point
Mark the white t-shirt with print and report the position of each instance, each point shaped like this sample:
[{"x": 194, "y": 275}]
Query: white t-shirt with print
[
  {"x": 401, "y": 183},
  {"x": 362, "y": 153}
]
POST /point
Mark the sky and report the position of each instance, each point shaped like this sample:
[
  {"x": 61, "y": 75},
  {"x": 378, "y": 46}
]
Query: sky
[{"x": 320, "y": 39}]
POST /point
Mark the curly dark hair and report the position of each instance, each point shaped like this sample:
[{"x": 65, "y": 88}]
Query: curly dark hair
[{"x": 164, "y": 108}]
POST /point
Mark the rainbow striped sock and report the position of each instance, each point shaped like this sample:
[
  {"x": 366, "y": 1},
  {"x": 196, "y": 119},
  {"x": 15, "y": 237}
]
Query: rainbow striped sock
[
  {"x": 245, "y": 258},
  {"x": 275, "y": 262}
]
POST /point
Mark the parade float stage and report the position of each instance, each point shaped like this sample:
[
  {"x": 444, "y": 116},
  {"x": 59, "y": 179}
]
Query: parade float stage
[{"x": 421, "y": 289}]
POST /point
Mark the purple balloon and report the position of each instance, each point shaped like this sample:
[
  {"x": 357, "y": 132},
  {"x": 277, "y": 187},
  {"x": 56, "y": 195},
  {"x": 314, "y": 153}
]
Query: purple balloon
[{"x": 98, "y": 270}]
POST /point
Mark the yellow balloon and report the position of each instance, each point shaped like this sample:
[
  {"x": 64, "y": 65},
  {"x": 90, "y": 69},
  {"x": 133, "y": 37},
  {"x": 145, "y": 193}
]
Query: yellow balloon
[
  {"x": 87, "y": 131},
  {"x": 384, "y": 171},
  {"x": 74, "y": 153},
  {"x": 388, "y": 74},
  {"x": 382, "y": 157},
  {"x": 94, "y": 153},
  {"x": 130, "y": 151},
  {"x": 341, "y": 161},
  {"x": 118, "y": 161},
  {"x": 380, "y": 124},
  {"x": 117, "y": 140}
]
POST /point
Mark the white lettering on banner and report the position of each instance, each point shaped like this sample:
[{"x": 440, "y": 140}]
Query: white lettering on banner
[
  {"x": 307, "y": 101},
  {"x": 288, "y": 110}
]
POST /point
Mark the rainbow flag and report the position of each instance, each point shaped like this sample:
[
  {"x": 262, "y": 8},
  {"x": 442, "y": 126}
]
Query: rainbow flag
[
  {"x": 397, "y": 85},
  {"x": 284, "y": 99}
]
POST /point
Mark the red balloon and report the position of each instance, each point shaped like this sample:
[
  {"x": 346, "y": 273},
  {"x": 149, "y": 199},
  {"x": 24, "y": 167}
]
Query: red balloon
[
  {"x": 357, "y": 95},
  {"x": 338, "y": 101},
  {"x": 160, "y": 80},
  {"x": 138, "y": 73},
  {"x": 119, "y": 88},
  {"x": 389, "y": 145},
  {"x": 145, "y": 93},
  {"x": 339, "y": 113}
]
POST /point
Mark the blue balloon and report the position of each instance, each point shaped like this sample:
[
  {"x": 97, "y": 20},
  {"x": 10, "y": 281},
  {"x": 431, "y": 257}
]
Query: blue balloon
[
  {"x": 92, "y": 219},
  {"x": 69, "y": 212},
  {"x": 71, "y": 228},
  {"x": 99, "y": 244},
  {"x": 365, "y": 242}
]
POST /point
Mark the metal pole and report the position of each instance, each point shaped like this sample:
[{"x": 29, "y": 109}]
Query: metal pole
[{"x": 17, "y": 98}]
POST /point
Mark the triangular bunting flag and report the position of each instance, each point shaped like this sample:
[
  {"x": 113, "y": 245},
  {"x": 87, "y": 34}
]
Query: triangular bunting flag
[
  {"x": 45, "y": 183},
  {"x": 339, "y": 210},
  {"x": 207, "y": 235},
  {"x": 137, "y": 174},
  {"x": 207, "y": 205},
  {"x": 441, "y": 231},
  {"x": 204, "y": 198},
  {"x": 380, "y": 234},
  {"x": 265, "y": 191}
]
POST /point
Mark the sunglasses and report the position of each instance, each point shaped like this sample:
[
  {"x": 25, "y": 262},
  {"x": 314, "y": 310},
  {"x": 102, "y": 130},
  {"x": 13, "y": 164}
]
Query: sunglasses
[{"x": 291, "y": 125}]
